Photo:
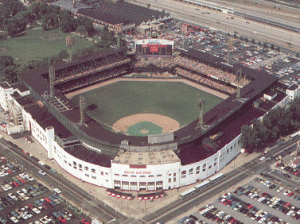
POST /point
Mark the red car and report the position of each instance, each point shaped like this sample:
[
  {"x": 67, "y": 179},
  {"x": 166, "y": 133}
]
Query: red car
[
  {"x": 290, "y": 194},
  {"x": 63, "y": 220}
]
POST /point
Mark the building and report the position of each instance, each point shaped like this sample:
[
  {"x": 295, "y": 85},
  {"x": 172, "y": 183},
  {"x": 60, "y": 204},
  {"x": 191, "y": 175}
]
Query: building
[{"x": 113, "y": 160}]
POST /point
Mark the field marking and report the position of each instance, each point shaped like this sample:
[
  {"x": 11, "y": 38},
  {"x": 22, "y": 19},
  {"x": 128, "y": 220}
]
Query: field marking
[{"x": 168, "y": 124}]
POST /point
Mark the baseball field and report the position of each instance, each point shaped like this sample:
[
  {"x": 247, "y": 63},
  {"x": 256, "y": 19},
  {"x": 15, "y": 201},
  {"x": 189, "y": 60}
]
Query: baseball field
[{"x": 147, "y": 100}]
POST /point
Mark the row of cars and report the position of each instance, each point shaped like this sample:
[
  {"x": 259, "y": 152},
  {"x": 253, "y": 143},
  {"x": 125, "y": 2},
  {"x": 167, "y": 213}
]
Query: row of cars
[
  {"x": 24, "y": 200},
  {"x": 15, "y": 181},
  {"x": 26, "y": 193},
  {"x": 216, "y": 215},
  {"x": 8, "y": 169},
  {"x": 248, "y": 209},
  {"x": 293, "y": 171}
]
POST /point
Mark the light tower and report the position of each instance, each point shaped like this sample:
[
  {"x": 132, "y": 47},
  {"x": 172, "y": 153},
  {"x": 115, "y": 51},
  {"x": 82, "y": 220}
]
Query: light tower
[
  {"x": 238, "y": 78},
  {"x": 229, "y": 48},
  {"x": 70, "y": 41},
  {"x": 118, "y": 41},
  {"x": 82, "y": 107},
  {"x": 200, "y": 105},
  {"x": 51, "y": 80}
]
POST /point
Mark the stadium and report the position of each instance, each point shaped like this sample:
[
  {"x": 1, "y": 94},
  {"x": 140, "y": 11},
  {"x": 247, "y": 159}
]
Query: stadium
[{"x": 61, "y": 114}]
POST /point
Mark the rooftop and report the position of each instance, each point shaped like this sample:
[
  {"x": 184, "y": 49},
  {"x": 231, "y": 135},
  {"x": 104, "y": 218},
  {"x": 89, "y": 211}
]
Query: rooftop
[
  {"x": 122, "y": 12},
  {"x": 139, "y": 158}
]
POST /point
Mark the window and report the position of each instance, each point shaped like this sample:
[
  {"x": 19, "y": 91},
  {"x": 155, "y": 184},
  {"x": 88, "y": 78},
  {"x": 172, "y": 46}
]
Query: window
[
  {"x": 142, "y": 176},
  {"x": 80, "y": 166},
  {"x": 174, "y": 179},
  {"x": 93, "y": 171},
  {"x": 151, "y": 176},
  {"x": 170, "y": 180},
  {"x": 204, "y": 165},
  {"x": 159, "y": 175},
  {"x": 183, "y": 172},
  {"x": 74, "y": 163},
  {"x": 70, "y": 164},
  {"x": 116, "y": 174},
  {"x": 124, "y": 175},
  {"x": 191, "y": 171},
  {"x": 170, "y": 174},
  {"x": 203, "y": 170},
  {"x": 133, "y": 176},
  {"x": 117, "y": 182},
  {"x": 174, "y": 174},
  {"x": 209, "y": 167},
  {"x": 215, "y": 164},
  {"x": 87, "y": 175},
  {"x": 86, "y": 168},
  {"x": 133, "y": 183},
  {"x": 93, "y": 177},
  {"x": 198, "y": 169},
  {"x": 102, "y": 173}
]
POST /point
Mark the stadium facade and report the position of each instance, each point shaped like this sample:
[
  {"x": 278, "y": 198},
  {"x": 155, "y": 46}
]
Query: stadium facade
[{"x": 117, "y": 161}]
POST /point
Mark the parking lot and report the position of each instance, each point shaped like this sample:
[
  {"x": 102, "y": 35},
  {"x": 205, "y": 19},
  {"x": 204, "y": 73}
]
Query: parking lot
[
  {"x": 259, "y": 201},
  {"x": 23, "y": 199}
]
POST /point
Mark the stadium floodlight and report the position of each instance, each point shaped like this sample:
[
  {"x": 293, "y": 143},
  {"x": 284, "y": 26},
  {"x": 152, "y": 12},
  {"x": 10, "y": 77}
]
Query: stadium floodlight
[
  {"x": 51, "y": 80},
  {"x": 200, "y": 105},
  {"x": 82, "y": 106}
]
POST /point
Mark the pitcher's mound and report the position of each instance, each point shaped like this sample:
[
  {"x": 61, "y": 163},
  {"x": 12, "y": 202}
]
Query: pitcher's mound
[{"x": 166, "y": 123}]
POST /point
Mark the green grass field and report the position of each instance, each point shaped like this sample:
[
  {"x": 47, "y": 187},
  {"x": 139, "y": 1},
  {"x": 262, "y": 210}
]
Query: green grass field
[
  {"x": 31, "y": 46},
  {"x": 121, "y": 99}
]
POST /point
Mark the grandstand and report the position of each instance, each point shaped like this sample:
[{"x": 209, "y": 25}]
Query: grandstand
[{"x": 191, "y": 147}]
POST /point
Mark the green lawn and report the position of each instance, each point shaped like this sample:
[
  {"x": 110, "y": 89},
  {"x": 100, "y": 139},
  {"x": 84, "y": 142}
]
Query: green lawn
[
  {"x": 31, "y": 46},
  {"x": 172, "y": 99}
]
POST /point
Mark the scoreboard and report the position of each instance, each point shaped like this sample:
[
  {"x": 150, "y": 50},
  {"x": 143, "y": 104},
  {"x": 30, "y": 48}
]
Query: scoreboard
[{"x": 154, "y": 47}]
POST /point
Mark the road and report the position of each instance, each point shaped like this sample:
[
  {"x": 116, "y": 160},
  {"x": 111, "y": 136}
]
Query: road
[
  {"x": 217, "y": 20},
  {"x": 85, "y": 201},
  {"x": 167, "y": 213},
  {"x": 249, "y": 169}
]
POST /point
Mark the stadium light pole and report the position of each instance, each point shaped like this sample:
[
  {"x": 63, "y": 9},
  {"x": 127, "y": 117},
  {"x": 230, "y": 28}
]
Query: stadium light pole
[{"x": 200, "y": 105}]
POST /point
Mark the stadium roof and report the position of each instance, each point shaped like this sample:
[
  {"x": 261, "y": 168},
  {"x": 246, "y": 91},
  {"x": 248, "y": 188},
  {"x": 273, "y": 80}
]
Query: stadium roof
[{"x": 121, "y": 12}]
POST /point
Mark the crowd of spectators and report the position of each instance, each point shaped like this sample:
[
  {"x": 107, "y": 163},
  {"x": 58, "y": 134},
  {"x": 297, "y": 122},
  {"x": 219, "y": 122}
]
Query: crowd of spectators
[
  {"x": 160, "y": 62},
  {"x": 89, "y": 80},
  {"x": 90, "y": 67},
  {"x": 212, "y": 72},
  {"x": 205, "y": 80}
]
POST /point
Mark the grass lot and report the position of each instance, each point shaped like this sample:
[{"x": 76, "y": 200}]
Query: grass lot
[
  {"x": 121, "y": 99},
  {"x": 37, "y": 44}
]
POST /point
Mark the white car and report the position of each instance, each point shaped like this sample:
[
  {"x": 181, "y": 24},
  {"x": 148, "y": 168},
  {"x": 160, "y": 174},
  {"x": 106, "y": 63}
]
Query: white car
[
  {"x": 262, "y": 158},
  {"x": 42, "y": 163},
  {"x": 57, "y": 190},
  {"x": 42, "y": 173},
  {"x": 36, "y": 210}
]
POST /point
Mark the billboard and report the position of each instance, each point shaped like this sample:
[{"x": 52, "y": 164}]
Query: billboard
[{"x": 154, "y": 47}]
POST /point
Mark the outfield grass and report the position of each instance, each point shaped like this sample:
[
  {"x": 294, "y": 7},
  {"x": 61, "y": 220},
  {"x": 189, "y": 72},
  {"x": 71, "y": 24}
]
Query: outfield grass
[
  {"x": 172, "y": 99},
  {"x": 31, "y": 46}
]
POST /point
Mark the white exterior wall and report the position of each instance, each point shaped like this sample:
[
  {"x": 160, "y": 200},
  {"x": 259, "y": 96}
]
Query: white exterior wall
[
  {"x": 5, "y": 95},
  {"x": 201, "y": 170},
  {"x": 38, "y": 132},
  {"x": 152, "y": 177},
  {"x": 87, "y": 172}
]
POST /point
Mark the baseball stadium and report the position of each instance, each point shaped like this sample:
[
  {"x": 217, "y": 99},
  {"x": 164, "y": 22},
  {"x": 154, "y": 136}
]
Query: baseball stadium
[{"x": 143, "y": 122}]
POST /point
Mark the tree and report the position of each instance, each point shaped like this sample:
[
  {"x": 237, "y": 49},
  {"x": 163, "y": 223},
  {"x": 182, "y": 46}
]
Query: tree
[
  {"x": 8, "y": 69},
  {"x": 81, "y": 30},
  {"x": 15, "y": 26},
  {"x": 248, "y": 138}
]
